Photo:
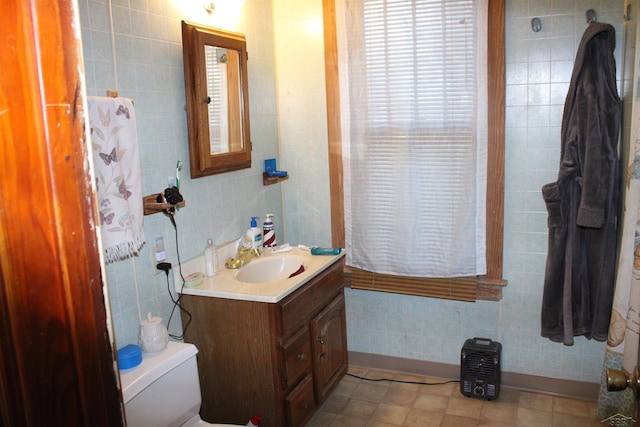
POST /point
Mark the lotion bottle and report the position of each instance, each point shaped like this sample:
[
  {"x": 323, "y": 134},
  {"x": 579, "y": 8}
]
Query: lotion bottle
[
  {"x": 255, "y": 233},
  {"x": 269, "y": 234},
  {"x": 210, "y": 260}
]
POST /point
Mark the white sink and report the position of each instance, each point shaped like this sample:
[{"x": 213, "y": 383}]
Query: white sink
[
  {"x": 263, "y": 279},
  {"x": 262, "y": 270}
]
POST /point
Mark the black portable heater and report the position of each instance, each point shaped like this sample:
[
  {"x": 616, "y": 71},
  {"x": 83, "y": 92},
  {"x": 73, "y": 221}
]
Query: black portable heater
[{"x": 480, "y": 368}]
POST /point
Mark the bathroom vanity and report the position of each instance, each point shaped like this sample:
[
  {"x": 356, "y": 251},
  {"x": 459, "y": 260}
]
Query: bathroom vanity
[{"x": 275, "y": 355}]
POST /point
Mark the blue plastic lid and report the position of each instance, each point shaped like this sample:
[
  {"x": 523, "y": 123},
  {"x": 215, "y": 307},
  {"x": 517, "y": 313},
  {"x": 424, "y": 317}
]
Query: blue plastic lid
[{"x": 129, "y": 356}]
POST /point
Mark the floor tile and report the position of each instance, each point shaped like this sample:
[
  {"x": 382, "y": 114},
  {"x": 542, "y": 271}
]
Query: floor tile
[
  {"x": 532, "y": 418},
  {"x": 344, "y": 421},
  {"x": 400, "y": 397},
  {"x": 538, "y": 402},
  {"x": 335, "y": 404},
  {"x": 400, "y": 403},
  {"x": 566, "y": 420},
  {"x": 390, "y": 414},
  {"x": 464, "y": 407},
  {"x": 429, "y": 402},
  {"x": 359, "y": 408},
  {"x": 499, "y": 412},
  {"x": 369, "y": 391},
  {"x": 570, "y": 406},
  {"x": 423, "y": 418},
  {"x": 457, "y": 421}
]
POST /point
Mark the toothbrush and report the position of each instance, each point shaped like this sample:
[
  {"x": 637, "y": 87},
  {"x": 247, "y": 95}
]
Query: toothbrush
[{"x": 178, "y": 167}]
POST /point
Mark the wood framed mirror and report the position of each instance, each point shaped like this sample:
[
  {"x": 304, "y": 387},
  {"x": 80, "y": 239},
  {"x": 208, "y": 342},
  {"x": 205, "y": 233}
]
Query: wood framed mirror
[{"x": 217, "y": 100}]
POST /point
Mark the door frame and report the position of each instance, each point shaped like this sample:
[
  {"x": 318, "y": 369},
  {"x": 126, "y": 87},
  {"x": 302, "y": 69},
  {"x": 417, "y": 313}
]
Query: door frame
[{"x": 56, "y": 345}]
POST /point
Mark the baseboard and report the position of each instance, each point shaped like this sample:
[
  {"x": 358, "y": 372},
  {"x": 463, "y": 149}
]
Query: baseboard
[{"x": 533, "y": 383}]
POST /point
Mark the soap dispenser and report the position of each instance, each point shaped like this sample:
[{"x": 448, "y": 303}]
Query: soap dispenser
[{"x": 255, "y": 233}]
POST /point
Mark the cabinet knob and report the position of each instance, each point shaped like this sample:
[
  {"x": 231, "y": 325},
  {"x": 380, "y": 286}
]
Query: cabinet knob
[
  {"x": 301, "y": 356},
  {"x": 322, "y": 347}
]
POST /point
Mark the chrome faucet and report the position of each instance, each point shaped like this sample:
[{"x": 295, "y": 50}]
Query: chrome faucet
[{"x": 245, "y": 253}]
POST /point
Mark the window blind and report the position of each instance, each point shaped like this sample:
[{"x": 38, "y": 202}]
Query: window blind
[{"x": 413, "y": 89}]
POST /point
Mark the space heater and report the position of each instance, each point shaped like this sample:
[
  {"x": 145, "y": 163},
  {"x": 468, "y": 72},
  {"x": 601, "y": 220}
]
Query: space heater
[{"x": 480, "y": 368}]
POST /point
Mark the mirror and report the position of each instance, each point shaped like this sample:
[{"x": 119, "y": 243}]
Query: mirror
[{"x": 215, "y": 74}]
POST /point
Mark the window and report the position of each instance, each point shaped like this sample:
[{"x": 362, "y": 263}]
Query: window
[{"x": 469, "y": 288}]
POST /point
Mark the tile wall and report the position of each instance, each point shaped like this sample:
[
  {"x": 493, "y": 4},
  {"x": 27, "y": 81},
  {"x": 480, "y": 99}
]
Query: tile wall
[
  {"x": 148, "y": 59},
  {"x": 303, "y": 121},
  {"x": 149, "y": 69},
  {"x": 538, "y": 67}
]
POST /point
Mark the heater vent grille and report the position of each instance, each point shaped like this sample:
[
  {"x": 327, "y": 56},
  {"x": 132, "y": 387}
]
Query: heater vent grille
[{"x": 480, "y": 366}]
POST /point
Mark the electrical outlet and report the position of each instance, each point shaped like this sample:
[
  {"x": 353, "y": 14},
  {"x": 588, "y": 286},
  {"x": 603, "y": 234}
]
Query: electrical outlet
[{"x": 158, "y": 254}]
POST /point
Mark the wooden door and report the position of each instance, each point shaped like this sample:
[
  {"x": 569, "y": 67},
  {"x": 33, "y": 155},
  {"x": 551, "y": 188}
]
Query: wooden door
[{"x": 56, "y": 356}]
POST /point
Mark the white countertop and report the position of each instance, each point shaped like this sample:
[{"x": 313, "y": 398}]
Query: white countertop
[{"x": 225, "y": 285}]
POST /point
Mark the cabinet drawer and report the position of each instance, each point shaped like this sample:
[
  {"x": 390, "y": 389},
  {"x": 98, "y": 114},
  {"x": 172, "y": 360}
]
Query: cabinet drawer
[
  {"x": 300, "y": 404},
  {"x": 298, "y": 307},
  {"x": 296, "y": 354}
]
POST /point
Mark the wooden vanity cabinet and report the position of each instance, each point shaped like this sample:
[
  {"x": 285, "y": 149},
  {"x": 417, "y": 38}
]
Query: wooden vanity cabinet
[{"x": 280, "y": 360}]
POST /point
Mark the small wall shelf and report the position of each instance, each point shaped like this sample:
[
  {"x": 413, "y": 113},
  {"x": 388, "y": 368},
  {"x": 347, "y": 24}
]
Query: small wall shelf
[
  {"x": 269, "y": 180},
  {"x": 152, "y": 207}
]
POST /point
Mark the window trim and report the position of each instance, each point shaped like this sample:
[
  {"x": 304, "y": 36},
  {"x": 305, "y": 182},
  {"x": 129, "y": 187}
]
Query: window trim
[{"x": 489, "y": 286}]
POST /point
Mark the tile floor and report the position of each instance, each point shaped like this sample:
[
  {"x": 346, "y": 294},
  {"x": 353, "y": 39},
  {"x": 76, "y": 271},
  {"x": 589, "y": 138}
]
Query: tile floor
[{"x": 357, "y": 403}]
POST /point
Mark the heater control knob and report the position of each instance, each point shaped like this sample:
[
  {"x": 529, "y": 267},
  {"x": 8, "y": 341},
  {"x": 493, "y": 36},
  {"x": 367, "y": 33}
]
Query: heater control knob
[{"x": 478, "y": 390}]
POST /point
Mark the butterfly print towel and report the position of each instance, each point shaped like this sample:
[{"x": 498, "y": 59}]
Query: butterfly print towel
[{"x": 114, "y": 143}]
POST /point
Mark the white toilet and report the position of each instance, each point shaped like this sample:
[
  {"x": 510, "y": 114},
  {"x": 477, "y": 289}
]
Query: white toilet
[{"x": 164, "y": 390}]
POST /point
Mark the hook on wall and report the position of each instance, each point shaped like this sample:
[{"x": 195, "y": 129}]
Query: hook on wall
[
  {"x": 591, "y": 16},
  {"x": 536, "y": 25},
  {"x": 627, "y": 15}
]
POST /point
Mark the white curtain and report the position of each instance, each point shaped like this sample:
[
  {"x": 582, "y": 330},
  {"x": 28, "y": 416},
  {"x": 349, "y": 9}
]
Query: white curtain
[
  {"x": 413, "y": 87},
  {"x": 624, "y": 328}
]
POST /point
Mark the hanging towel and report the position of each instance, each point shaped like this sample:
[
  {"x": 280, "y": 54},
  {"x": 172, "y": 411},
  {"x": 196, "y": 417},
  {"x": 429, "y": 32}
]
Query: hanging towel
[{"x": 114, "y": 144}]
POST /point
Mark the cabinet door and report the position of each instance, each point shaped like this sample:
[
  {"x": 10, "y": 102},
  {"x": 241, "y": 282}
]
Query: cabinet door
[{"x": 329, "y": 342}]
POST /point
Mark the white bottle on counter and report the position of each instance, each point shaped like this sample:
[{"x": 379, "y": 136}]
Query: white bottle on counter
[
  {"x": 210, "y": 259},
  {"x": 268, "y": 233},
  {"x": 255, "y": 233}
]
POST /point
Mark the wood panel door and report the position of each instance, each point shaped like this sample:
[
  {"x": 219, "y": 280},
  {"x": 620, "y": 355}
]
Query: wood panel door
[{"x": 56, "y": 357}]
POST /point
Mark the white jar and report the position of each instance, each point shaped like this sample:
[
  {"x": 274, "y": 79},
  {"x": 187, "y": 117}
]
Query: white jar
[{"x": 153, "y": 335}]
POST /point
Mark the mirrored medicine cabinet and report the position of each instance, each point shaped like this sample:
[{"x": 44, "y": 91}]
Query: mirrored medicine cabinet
[{"x": 217, "y": 100}]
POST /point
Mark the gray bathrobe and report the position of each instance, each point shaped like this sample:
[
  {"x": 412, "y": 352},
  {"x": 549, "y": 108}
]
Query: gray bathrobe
[{"x": 582, "y": 204}]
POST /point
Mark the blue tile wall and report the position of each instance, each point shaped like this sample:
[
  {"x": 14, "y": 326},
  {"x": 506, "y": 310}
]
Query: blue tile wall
[
  {"x": 538, "y": 67},
  {"x": 538, "y": 70},
  {"x": 148, "y": 59}
]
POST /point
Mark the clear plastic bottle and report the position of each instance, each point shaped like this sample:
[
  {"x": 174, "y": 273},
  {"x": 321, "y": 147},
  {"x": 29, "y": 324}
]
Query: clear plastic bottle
[{"x": 210, "y": 259}]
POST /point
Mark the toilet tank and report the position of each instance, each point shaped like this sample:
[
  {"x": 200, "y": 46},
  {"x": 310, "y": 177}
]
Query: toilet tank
[{"x": 164, "y": 390}]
